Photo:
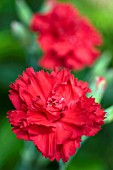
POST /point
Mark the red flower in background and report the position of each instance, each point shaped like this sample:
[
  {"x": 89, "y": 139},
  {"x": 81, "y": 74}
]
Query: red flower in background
[
  {"x": 52, "y": 110},
  {"x": 66, "y": 38}
]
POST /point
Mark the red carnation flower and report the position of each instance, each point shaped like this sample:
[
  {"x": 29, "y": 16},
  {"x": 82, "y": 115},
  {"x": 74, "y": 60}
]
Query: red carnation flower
[
  {"x": 53, "y": 111},
  {"x": 67, "y": 39}
]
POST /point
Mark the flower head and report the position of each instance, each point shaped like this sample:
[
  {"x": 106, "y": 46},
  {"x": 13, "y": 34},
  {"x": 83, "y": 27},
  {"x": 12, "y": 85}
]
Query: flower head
[
  {"x": 53, "y": 111},
  {"x": 101, "y": 83},
  {"x": 67, "y": 39}
]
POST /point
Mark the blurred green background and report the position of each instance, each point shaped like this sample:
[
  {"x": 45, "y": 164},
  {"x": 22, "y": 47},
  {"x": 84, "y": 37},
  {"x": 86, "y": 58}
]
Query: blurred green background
[{"x": 15, "y": 55}]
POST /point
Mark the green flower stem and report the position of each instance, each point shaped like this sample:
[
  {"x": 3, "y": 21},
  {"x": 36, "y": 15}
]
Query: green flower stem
[
  {"x": 64, "y": 166},
  {"x": 31, "y": 159},
  {"x": 31, "y": 48}
]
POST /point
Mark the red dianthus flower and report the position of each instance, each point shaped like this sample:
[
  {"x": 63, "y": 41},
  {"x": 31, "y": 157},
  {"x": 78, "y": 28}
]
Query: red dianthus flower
[
  {"x": 53, "y": 111},
  {"x": 67, "y": 39}
]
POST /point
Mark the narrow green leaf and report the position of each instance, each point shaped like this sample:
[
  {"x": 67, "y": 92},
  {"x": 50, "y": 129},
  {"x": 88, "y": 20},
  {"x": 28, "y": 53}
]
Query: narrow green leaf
[
  {"x": 21, "y": 32},
  {"x": 23, "y": 11},
  {"x": 109, "y": 115},
  {"x": 102, "y": 64}
]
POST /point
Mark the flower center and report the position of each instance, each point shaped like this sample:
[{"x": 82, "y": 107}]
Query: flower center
[{"x": 55, "y": 106}]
